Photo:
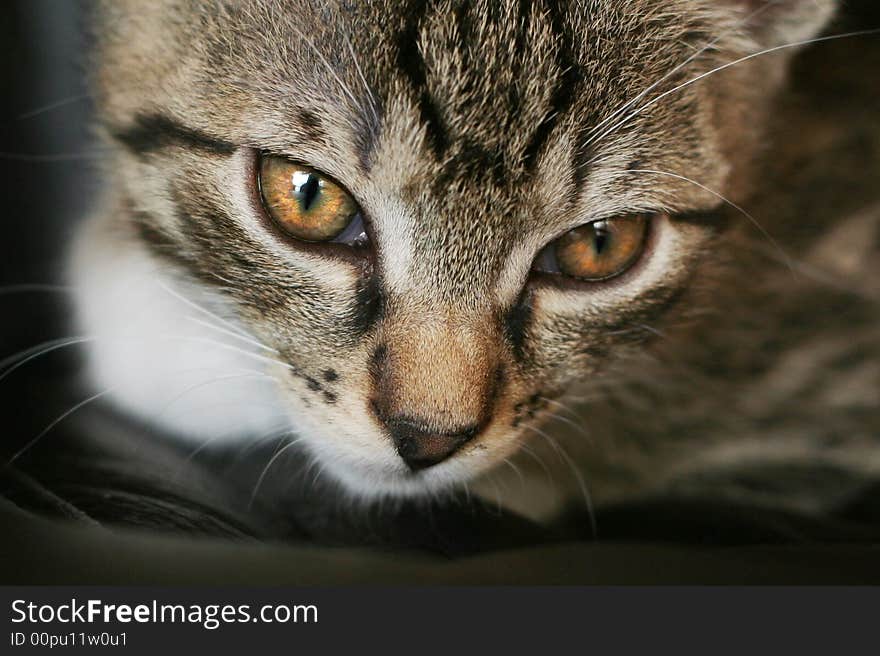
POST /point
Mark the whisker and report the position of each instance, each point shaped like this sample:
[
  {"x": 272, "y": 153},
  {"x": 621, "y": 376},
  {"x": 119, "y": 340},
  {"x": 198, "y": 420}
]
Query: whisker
[
  {"x": 579, "y": 428},
  {"x": 281, "y": 431},
  {"x": 345, "y": 89},
  {"x": 498, "y": 505},
  {"x": 718, "y": 69},
  {"x": 738, "y": 208},
  {"x": 268, "y": 466},
  {"x": 652, "y": 330},
  {"x": 517, "y": 470},
  {"x": 467, "y": 494},
  {"x": 313, "y": 461},
  {"x": 231, "y": 347},
  {"x": 588, "y": 499},
  {"x": 319, "y": 471},
  {"x": 699, "y": 51},
  {"x": 189, "y": 302},
  {"x": 560, "y": 405},
  {"x": 57, "y": 421},
  {"x": 23, "y": 357},
  {"x": 543, "y": 465},
  {"x": 205, "y": 383},
  {"x": 370, "y": 95},
  {"x": 53, "y": 105},
  {"x": 252, "y": 342}
]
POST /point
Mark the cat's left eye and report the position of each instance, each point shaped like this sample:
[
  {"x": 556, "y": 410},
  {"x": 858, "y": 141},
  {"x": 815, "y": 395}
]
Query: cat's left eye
[
  {"x": 308, "y": 204},
  {"x": 596, "y": 251}
]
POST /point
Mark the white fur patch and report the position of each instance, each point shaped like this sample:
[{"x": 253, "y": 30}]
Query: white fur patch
[{"x": 157, "y": 353}]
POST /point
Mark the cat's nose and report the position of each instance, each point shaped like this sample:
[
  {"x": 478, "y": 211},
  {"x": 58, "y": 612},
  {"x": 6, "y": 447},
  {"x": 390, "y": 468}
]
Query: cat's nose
[
  {"x": 434, "y": 385},
  {"x": 421, "y": 447}
]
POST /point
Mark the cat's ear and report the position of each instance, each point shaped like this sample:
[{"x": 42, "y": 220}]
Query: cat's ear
[{"x": 776, "y": 23}]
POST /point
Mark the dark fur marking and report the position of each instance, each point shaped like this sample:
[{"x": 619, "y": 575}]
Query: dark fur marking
[
  {"x": 367, "y": 128},
  {"x": 581, "y": 161},
  {"x": 157, "y": 240},
  {"x": 410, "y": 62},
  {"x": 563, "y": 94},
  {"x": 368, "y": 305},
  {"x": 471, "y": 161},
  {"x": 366, "y": 140},
  {"x": 204, "y": 227},
  {"x": 713, "y": 219},
  {"x": 529, "y": 408},
  {"x": 516, "y": 325},
  {"x": 152, "y": 132},
  {"x": 311, "y": 126},
  {"x": 376, "y": 368},
  {"x": 378, "y": 360},
  {"x": 465, "y": 30},
  {"x": 656, "y": 303},
  {"x": 634, "y": 165}
]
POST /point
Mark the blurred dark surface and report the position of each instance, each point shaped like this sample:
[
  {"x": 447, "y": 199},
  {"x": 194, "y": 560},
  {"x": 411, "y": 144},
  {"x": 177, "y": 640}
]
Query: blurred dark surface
[{"x": 99, "y": 468}]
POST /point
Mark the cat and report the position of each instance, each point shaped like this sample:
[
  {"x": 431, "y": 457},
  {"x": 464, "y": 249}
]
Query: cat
[{"x": 409, "y": 234}]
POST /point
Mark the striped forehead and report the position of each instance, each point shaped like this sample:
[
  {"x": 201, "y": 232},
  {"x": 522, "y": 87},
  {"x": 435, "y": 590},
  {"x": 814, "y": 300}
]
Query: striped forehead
[
  {"x": 483, "y": 85},
  {"x": 489, "y": 81}
]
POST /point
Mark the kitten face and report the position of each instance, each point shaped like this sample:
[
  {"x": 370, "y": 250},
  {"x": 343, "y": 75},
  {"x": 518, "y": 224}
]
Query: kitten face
[{"x": 471, "y": 136}]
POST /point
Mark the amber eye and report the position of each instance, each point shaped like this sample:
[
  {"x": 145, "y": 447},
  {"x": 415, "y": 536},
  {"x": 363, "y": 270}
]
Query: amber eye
[
  {"x": 306, "y": 203},
  {"x": 597, "y": 250}
]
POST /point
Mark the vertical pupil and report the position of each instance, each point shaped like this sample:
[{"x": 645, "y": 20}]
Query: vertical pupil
[
  {"x": 601, "y": 237},
  {"x": 307, "y": 190}
]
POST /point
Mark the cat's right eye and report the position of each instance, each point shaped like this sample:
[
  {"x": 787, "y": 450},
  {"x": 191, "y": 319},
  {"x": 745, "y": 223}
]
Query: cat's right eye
[
  {"x": 598, "y": 250},
  {"x": 308, "y": 205}
]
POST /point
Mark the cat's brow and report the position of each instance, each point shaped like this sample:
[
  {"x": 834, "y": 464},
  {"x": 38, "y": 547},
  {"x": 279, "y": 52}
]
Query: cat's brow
[{"x": 151, "y": 132}]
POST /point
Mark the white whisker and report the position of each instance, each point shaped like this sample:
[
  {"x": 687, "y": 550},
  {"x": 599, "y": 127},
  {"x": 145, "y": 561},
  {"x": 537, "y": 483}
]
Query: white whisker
[
  {"x": 205, "y": 383},
  {"x": 23, "y": 357},
  {"x": 738, "y": 208},
  {"x": 190, "y": 303},
  {"x": 252, "y": 342},
  {"x": 543, "y": 465},
  {"x": 518, "y": 471},
  {"x": 57, "y": 421},
  {"x": 53, "y": 105},
  {"x": 698, "y": 51},
  {"x": 588, "y": 499},
  {"x": 578, "y": 427},
  {"x": 268, "y": 466},
  {"x": 718, "y": 69},
  {"x": 360, "y": 72},
  {"x": 345, "y": 89}
]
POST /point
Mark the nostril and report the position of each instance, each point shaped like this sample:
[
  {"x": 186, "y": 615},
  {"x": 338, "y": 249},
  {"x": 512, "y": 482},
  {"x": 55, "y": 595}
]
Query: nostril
[{"x": 421, "y": 447}]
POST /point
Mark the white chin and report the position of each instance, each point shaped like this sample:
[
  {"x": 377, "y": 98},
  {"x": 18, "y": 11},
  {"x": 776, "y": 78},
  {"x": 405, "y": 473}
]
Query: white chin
[{"x": 370, "y": 480}]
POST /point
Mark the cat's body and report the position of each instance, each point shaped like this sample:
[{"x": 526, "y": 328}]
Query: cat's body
[{"x": 472, "y": 136}]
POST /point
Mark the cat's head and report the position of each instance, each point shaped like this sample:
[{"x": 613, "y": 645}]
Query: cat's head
[{"x": 438, "y": 213}]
